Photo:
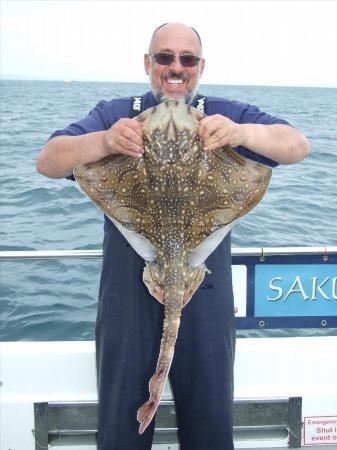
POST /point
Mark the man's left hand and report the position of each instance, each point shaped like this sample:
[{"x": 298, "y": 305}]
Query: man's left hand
[{"x": 217, "y": 131}]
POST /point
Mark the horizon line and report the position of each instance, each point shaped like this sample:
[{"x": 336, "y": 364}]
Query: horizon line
[{"x": 70, "y": 81}]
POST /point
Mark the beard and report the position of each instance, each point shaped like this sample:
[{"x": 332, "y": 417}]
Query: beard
[{"x": 187, "y": 97}]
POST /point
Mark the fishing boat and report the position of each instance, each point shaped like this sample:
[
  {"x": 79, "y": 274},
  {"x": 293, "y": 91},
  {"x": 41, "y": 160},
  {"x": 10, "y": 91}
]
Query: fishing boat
[{"x": 285, "y": 380}]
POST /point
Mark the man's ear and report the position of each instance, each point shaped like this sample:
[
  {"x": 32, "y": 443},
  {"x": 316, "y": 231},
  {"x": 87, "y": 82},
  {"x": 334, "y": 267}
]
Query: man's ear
[{"x": 147, "y": 63}]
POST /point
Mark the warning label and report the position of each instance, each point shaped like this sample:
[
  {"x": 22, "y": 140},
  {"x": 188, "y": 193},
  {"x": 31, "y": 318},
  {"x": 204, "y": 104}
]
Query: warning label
[{"x": 320, "y": 430}]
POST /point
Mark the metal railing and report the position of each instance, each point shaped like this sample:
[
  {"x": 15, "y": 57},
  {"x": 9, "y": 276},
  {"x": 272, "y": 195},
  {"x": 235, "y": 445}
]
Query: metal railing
[
  {"x": 255, "y": 420},
  {"x": 239, "y": 251}
]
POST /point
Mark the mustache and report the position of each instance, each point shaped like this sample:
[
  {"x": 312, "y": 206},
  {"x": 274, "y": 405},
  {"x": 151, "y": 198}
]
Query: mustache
[{"x": 171, "y": 74}]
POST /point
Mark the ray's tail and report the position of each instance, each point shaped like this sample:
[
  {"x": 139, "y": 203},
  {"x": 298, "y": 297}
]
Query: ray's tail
[
  {"x": 148, "y": 409},
  {"x": 173, "y": 304}
]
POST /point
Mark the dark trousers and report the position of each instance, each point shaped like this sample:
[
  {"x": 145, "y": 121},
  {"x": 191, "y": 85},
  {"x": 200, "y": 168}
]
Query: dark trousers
[{"x": 128, "y": 333}]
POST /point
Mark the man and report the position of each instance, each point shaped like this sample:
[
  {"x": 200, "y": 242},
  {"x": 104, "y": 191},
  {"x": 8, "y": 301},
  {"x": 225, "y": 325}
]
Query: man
[{"x": 129, "y": 320}]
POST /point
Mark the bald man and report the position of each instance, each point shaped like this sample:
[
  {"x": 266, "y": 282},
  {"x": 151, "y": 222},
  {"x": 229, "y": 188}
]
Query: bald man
[{"x": 129, "y": 320}]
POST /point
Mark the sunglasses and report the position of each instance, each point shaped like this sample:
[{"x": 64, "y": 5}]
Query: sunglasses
[{"x": 165, "y": 59}]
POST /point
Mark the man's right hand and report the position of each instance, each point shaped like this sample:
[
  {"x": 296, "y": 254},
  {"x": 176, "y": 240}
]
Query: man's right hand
[{"x": 126, "y": 137}]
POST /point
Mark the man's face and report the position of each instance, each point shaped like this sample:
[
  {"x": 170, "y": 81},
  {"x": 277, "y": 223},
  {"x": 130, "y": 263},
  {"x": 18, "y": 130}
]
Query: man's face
[{"x": 174, "y": 80}]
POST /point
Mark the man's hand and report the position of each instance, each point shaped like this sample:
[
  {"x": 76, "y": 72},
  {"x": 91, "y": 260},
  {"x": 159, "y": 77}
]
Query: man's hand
[
  {"x": 126, "y": 137},
  {"x": 217, "y": 131}
]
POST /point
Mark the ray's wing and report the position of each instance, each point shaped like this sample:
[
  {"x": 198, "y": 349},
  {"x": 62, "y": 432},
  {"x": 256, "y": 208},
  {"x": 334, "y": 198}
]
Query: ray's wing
[
  {"x": 118, "y": 186},
  {"x": 229, "y": 186}
]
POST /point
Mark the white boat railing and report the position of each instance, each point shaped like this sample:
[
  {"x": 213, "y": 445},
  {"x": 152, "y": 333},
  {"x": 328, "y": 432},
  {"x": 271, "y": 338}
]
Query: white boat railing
[{"x": 238, "y": 251}]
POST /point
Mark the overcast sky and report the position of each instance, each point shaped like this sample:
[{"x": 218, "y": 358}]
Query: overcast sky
[{"x": 245, "y": 42}]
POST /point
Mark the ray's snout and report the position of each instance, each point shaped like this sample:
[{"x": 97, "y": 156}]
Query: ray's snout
[
  {"x": 170, "y": 118},
  {"x": 171, "y": 129}
]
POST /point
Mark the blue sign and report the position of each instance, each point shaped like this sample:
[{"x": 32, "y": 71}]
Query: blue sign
[{"x": 288, "y": 290}]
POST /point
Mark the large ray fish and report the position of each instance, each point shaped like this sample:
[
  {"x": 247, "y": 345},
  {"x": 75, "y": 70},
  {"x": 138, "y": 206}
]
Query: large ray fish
[{"x": 174, "y": 206}]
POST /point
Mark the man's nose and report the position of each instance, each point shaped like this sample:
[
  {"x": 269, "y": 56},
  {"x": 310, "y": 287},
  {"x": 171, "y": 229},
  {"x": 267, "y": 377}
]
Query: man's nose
[{"x": 176, "y": 65}]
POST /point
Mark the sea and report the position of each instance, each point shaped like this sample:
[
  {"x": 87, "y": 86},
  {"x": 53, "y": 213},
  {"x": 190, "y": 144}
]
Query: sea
[{"x": 48, "y": 300}]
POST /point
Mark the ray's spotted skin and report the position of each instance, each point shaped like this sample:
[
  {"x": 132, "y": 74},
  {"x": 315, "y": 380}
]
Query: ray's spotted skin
[{"x": 174, "y": 206}]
